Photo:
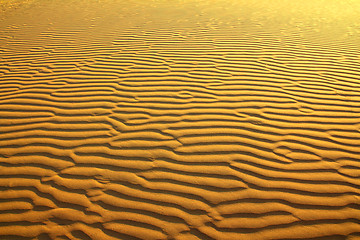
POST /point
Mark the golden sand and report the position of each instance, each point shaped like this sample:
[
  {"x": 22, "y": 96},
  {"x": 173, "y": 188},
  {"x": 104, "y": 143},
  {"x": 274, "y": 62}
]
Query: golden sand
[{"x": 180, "y": 119}]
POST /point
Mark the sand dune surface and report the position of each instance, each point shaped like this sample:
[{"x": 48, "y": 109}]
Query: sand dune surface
[{"x": 184, "y": 119}]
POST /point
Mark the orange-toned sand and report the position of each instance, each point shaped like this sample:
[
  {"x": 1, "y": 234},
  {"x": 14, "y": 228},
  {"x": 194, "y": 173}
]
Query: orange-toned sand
[{"x": 180, "y": 119}]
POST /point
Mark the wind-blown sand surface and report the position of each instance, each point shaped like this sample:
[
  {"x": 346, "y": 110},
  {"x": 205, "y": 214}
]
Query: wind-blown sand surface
[{"x": 184, "y": 119}]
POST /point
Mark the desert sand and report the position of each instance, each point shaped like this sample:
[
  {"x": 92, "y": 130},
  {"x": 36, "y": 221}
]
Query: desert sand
[{"x": 179, "y": 119}]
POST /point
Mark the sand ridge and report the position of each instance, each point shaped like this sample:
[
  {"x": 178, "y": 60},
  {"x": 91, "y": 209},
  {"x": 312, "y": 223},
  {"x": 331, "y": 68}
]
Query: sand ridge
[{"x": 179, "y": 120}]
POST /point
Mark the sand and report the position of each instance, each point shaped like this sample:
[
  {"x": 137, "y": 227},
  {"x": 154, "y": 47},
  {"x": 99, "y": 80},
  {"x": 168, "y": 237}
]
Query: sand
[{"x": 184, "y": 119}]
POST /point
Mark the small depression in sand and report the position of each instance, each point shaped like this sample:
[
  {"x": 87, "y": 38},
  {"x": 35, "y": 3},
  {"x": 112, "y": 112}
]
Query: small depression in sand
[{"x": 179, "y": 119}]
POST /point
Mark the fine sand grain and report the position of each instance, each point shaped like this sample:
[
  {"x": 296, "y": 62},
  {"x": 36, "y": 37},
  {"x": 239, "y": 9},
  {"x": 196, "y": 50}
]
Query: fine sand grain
[{"x": 180, "y": 119}]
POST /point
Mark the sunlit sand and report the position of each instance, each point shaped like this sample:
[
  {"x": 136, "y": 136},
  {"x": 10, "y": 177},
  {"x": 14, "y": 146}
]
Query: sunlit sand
[{"x": 179, "y": 119}]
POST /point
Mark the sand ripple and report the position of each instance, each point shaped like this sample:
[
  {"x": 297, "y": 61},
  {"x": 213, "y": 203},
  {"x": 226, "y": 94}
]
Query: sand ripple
[{"x": 180, "y": 120}]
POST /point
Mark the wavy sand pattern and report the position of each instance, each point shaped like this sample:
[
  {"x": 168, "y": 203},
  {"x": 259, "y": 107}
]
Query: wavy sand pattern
[{"x": 184, "y": 119}]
